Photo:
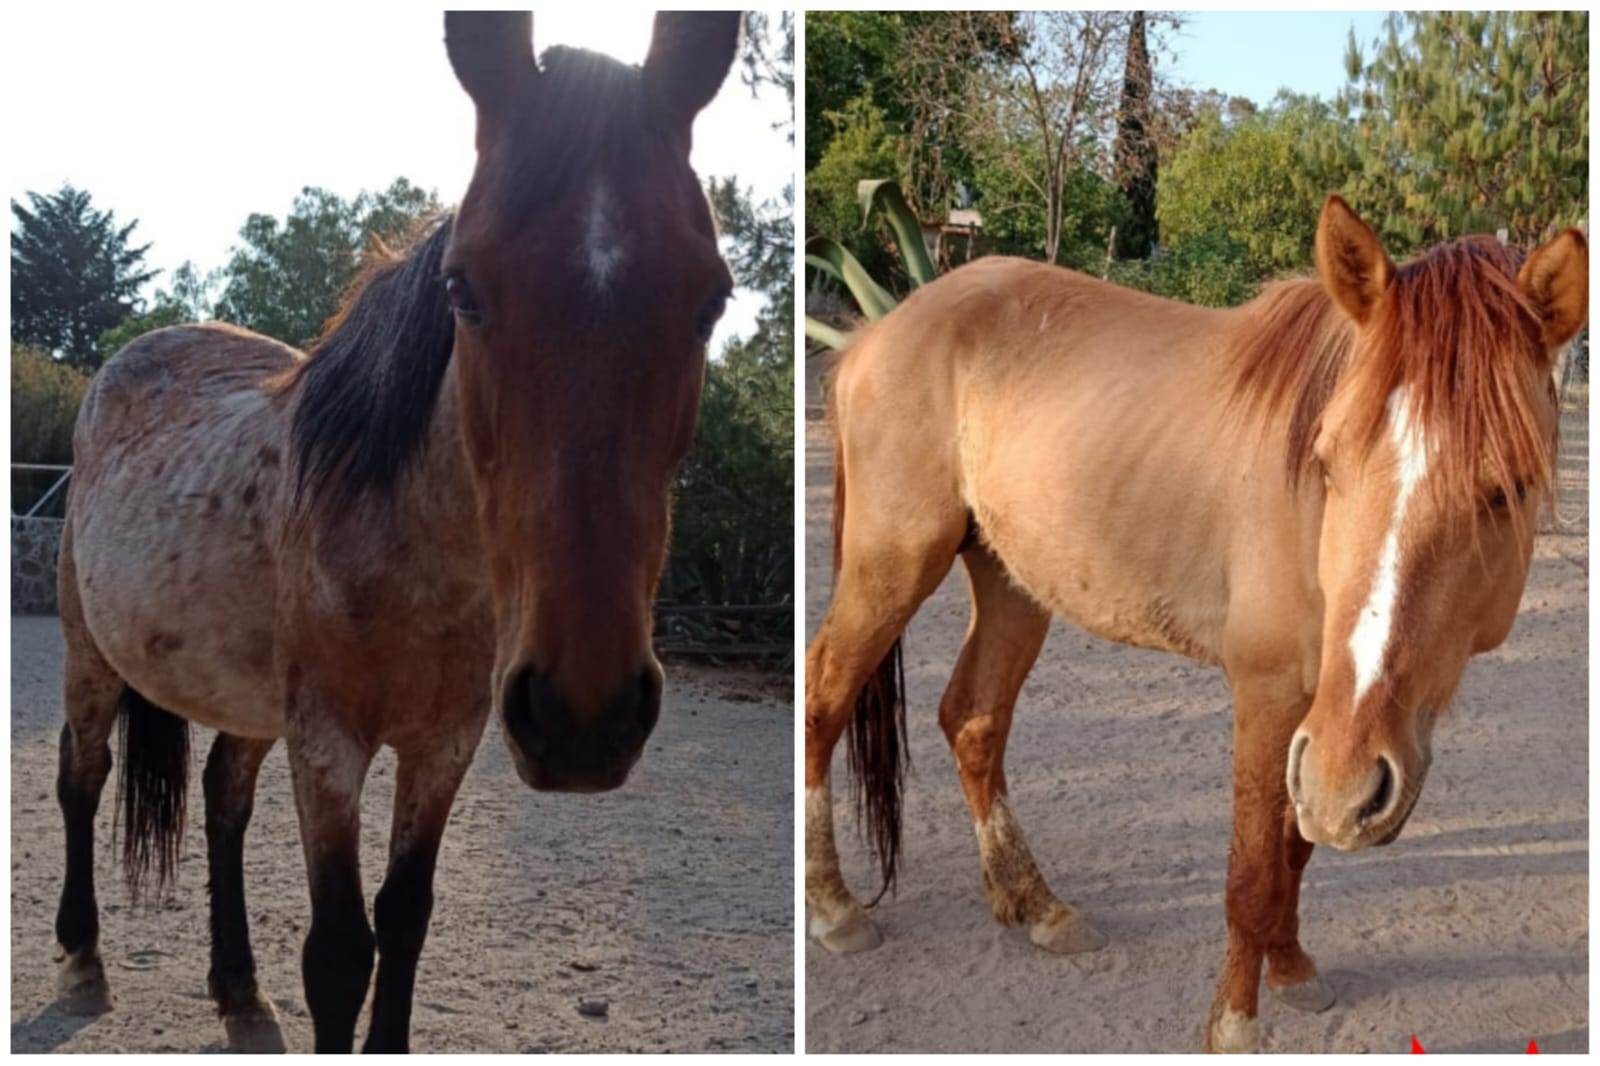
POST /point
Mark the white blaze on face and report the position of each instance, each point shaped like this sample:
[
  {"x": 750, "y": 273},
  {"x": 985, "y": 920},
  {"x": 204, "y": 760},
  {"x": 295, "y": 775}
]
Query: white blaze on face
[
  {"x": 1369, "y": 640},
  {"x": 603, "y": 249}
]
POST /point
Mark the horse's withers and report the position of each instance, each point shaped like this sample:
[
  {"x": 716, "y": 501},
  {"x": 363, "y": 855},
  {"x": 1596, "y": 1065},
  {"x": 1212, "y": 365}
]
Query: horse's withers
[{"x": 580, "y": 354}]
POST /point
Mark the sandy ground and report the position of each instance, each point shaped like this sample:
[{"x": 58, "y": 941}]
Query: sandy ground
[
  {"x": 1471, "y": 931},
  {"x": 672, "y": 898}
]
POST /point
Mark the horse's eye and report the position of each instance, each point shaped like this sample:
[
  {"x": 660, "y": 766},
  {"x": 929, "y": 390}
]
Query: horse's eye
[
  {"x": 1498, "y": 501},
  {"x": 460, "y": 294},
  {"x": 706, "y": 320}
]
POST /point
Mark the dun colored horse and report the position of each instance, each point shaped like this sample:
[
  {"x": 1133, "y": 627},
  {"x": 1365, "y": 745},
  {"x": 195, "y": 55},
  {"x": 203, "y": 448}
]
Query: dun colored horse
[
  {"x": 457, "y": 501},
  {"x": 1330, "y": 492}
]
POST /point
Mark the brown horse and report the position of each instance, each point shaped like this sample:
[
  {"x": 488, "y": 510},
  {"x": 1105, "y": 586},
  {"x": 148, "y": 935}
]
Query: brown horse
[
  {"x": 457, "y": 501},
  {"x": 1330, "y": 492}
]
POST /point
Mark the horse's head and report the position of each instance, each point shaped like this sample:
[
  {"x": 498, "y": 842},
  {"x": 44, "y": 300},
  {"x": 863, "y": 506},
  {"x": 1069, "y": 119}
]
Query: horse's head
[
  {"x": 1437, "y": 449},
  {"x": 585, "y": 278}
]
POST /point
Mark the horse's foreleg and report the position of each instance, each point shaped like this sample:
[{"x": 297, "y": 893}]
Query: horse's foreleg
[
  {"x": 878, "y": 591},
  {"x": 1003, "y": 640},
  {"x": 1264, "y": 866},
  {"x": 230, "y": 788},
  {"x": 90, "y": 698},
  {"x": 328, "y": 770},
  {"x": 425, "y": 788}
]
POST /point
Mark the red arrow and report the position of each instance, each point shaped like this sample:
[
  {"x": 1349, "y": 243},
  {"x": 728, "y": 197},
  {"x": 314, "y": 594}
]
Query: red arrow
[{"x": 1416, "y": 1045}]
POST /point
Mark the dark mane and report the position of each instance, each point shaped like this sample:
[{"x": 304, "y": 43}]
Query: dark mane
[
  {"x": 1456, "y": 330},
  {"x": 366, "y": 394}
]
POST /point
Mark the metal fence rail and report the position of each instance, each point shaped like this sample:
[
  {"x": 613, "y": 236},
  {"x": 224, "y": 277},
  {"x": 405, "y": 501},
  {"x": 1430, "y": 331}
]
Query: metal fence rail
[{"x": 39, "y": 507}]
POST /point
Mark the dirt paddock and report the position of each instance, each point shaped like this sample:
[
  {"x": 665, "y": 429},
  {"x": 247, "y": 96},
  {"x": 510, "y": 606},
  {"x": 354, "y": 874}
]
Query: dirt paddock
[
  {"x": 671, "y": 900},
  {"x": 1471, "y": 931}
]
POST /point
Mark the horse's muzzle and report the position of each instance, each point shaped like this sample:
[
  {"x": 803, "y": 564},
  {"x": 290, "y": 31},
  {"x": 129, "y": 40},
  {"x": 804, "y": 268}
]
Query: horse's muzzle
[{"x": 557, "y": 750}]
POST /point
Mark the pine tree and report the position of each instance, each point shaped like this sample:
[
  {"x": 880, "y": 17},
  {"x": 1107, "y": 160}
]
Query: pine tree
[
  {"x": 73, "y": 274},
  {"x": 1474, "y": 122}
]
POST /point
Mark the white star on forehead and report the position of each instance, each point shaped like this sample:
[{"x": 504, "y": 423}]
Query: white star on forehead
[{"x": 604, "y": 247}]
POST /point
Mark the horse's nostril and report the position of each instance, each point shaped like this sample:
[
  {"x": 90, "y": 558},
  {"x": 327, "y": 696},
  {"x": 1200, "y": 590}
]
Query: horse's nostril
[
  {"x": 530, "y": 704},
  {"x": 641, "y": 705},
  {"x": 1382, "y": 794}
]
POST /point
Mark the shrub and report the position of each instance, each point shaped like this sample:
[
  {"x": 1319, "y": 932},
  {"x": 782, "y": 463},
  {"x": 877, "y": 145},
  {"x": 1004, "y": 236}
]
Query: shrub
[{"x": 45, "y": 395}]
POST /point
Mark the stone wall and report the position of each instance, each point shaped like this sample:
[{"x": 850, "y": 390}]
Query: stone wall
[{"x": 34, "y": 542}]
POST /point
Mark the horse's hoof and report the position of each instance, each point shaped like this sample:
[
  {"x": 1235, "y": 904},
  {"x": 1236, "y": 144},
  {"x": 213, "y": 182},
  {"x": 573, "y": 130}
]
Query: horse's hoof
[
  {"x": 248, "y": 1019},
  {"x": 253, "y": 1032},
  {"x": 1066, "y": 932},
  {"x": 855, "y": 933},
  {"x": 1313, "y": 995},
  {"x": 1233, "y": 1034},
  {"x": 81, "y": 986}
]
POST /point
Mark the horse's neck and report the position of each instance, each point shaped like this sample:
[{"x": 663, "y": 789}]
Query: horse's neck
[{"x": 435, "y": 507}]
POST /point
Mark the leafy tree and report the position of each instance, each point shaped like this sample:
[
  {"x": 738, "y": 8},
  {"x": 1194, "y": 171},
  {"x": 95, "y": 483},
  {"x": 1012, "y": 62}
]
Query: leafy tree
[
  {"x": 1472, "y": 122},
  {"x": 850, "y": 56},
  {"x": 73, "y": 274},
  {"x": 861, "y": 146},
  {"x": 733, "y": 521},
  {"x": 1254, "y": 183},
  {"x": 286, "y": 279},
  {"x": 45, "y": 396}
]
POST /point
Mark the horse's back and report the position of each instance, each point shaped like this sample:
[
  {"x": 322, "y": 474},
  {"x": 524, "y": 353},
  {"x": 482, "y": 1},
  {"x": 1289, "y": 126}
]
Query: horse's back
[
  {"x": 1069, "y": 418},
  {"x": 178, "y": 485}
]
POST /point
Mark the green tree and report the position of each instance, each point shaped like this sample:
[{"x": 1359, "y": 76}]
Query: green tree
[
  {"x": 73, "y": 274},
  {"x": 286, "y": 278},
  {"x": 45, "y": 395},
  {"x": 1472, "y": 122},
  {"x": 1255, "y": 182},
  {"x": 861, "y": 146},
  {"x": 733, "y": 520}
]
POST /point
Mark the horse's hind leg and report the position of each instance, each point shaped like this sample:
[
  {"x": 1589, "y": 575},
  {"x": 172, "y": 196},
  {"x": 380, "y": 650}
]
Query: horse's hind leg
[
  {"x": 230, "y": 787},
  {"x": 90, "y": 700},
  {"x": 888, "y": 568},
  {"x": 1003, "y": 640}
]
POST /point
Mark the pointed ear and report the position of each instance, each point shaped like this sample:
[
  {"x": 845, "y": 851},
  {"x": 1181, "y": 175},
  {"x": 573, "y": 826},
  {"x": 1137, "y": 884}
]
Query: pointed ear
[
  {"x": 491, "y": 53},
  {"x": 1556, "y": 279},
  {"x": 1352, "y": 264},
  {"x": 690, "y": 53}
]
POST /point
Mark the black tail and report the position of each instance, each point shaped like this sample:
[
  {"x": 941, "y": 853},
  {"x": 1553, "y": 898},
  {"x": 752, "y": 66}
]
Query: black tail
[
  {"x": 151, "y": 791},
  {"x": 878, "y": 761}
]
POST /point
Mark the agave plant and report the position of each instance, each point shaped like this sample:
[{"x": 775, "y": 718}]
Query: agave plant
[{"x": 834, "y": 259}]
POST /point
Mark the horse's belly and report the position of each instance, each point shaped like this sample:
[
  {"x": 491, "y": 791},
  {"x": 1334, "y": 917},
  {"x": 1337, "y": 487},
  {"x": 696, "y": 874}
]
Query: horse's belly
[
  {"x": 1103, "y": 529},
  {"x": 185, "y": 619}
]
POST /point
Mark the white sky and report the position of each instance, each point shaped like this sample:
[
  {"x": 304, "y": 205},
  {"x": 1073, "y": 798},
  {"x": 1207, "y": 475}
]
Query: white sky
[{"x": 189, "y": 120}]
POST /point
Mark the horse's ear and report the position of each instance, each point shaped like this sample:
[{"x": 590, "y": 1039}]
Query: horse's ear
[
  {"x": 690, "y": 53},
  {"x": 1556, "y": 279},
  {"x": 491, "y": 53},
  {"x": 1352, "y": 263}
]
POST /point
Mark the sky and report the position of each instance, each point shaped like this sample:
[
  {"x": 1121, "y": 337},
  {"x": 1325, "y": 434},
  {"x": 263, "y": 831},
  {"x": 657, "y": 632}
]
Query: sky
[
  {"x": 1255, "y": 53},
  {"x": 191, "y": 122}
]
